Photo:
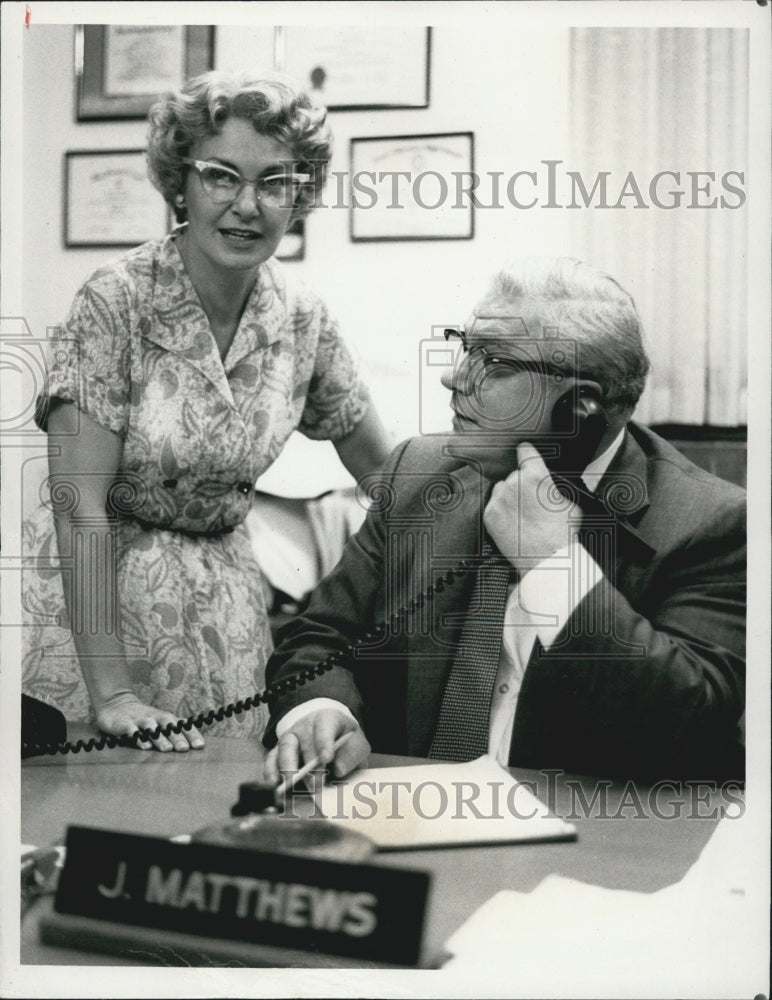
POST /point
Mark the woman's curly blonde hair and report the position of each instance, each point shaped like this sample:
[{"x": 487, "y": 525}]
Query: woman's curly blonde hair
[{"x": 271, "y": 102}]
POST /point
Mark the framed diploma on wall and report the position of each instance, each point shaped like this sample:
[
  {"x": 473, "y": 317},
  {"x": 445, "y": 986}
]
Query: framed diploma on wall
[
  {"x": 109, "y": 200},
  {"x": 121, "y": 69},
  {"x": 359, "y": 68},
  {"x": 412, "y": 187}
]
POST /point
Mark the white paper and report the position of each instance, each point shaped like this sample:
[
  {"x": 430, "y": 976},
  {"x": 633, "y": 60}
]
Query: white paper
[
  {"x": 697, "y": 938},
  {"x": 440, "y": 805}
]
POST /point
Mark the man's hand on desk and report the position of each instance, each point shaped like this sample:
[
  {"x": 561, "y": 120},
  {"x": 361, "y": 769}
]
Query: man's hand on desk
[{"x": 313, "y": 736}]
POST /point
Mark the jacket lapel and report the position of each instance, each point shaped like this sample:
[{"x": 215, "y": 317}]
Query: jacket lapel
[{"x": 623, "y": 501}]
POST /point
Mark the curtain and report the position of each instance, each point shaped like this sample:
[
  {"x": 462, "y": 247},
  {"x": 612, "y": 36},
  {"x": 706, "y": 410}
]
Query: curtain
[{"x": 645, "y": 100}]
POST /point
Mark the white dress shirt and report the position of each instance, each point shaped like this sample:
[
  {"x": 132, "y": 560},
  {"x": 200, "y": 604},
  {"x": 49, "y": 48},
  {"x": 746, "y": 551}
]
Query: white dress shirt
[{"x": 538, "y": 606}]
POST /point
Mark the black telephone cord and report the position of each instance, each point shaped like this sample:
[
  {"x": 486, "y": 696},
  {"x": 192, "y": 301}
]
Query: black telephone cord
[{"x": 390, "y": 625}]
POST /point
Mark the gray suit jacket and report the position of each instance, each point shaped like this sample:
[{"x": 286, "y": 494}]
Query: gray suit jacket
[{"x": 646, "y": 679}]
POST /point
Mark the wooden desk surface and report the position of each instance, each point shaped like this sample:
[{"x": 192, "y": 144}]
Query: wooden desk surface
[{"x": 168, "y": 794}]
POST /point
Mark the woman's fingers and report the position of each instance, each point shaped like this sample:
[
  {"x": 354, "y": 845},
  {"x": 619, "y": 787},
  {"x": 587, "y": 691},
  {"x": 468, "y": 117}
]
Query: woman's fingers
[
  {"x": 140, "y": 744},
  {"x": 195, "y": 738},
  {"x": 181, "y": 741},
  {"x": 129, "y": 718},
  {"x": 160, "y": 742}
]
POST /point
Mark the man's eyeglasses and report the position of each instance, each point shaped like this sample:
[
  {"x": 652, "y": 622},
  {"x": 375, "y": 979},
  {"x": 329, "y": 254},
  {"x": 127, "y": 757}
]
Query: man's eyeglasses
[
  {"x": 222, "y": 184},
  {"x": 497, "y": 364}
]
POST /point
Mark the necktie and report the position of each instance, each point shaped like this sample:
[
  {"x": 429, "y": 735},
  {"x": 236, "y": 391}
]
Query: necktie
[{"x": 462, "y": 729}]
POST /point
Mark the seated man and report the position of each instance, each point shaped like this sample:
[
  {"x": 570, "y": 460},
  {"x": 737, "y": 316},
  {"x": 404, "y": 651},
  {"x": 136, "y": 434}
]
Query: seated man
[{"x": 597, "y": 621}]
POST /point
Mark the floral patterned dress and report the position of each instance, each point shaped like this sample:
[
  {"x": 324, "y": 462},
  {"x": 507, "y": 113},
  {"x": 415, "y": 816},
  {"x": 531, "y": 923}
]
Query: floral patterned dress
[{"x": 138, "y": 356}]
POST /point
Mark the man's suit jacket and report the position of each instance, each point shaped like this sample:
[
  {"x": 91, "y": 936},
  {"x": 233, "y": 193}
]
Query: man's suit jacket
[{"x": 646, "y": 679}]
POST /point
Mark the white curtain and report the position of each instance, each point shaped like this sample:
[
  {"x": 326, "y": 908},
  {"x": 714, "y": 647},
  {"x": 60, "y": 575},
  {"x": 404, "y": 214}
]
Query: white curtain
[{"x": 650, "y": 99}]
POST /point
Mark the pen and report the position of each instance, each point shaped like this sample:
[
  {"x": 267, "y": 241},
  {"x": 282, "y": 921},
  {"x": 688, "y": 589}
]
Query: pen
[{"x": 288, "y": 783}]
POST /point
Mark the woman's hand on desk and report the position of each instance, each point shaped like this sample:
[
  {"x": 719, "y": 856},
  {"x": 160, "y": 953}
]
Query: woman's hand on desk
[
  {"x": 312, "y": 737},
  {"x": 123, "y": 714}
]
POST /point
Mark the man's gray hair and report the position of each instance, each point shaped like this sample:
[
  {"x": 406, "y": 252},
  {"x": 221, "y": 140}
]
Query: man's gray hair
[{"x": 592, "y": 309}]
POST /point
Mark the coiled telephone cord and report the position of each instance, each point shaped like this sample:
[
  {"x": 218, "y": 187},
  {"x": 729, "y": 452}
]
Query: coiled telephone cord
[{"x": 391, "y": 625}]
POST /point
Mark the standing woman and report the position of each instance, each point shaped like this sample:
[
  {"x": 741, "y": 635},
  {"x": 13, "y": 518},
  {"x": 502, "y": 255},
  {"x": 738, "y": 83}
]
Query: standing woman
[{"x": 179, "y": 374}]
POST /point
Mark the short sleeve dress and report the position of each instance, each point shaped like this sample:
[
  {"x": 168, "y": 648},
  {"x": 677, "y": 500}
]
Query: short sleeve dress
[{"x": 138, "y": 356}]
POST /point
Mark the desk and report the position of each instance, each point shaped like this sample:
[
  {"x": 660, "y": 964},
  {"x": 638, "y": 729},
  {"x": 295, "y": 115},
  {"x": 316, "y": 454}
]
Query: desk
[{"x": 168, "y": 794}]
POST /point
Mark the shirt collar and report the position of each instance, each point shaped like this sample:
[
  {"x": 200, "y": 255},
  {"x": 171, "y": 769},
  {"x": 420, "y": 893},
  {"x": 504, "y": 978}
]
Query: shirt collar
[{"x": 594, "y": 472}]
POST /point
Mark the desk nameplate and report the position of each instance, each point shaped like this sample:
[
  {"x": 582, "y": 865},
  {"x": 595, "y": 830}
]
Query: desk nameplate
[{"x": 359, "y": 911}]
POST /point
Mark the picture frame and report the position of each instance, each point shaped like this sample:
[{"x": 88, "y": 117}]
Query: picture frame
[
  {"x": 410, "y": 187},
  {"x": 121, "y": 69},
  {"x": 109, "y": 200},
  {"x": 359, "y": 68}
]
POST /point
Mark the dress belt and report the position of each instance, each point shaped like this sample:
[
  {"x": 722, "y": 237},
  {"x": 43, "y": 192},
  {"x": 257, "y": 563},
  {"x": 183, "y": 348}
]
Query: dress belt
[{"x": 149, "y": 526}]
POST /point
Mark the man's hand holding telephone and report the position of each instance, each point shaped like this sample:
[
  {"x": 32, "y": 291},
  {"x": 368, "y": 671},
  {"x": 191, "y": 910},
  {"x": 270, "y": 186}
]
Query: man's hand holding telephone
[{"x": 522, "y": 516}]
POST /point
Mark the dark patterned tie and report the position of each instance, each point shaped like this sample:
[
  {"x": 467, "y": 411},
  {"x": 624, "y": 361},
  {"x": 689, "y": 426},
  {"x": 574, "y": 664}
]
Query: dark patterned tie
[{"x": 462, "y": 729}]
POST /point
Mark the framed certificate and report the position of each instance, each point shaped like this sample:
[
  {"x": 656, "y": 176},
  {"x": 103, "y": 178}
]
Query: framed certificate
[
  {"x": 412, "y": 187},
  {"x": 109, "y": 200},
  {"x": 356, "y": 68},
  {"x": 122, "y": 68}
]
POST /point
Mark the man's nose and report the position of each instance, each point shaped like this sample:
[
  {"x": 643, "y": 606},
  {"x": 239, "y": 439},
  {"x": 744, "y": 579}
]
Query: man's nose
[
  {"x": 448, "y": 378},
  {"x": 458, "y": 378}
]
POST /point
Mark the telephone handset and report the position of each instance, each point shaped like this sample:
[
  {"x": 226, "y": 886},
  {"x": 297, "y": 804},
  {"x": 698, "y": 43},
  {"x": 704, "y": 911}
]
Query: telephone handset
[
  {"x": 578, "y": 423},
  {"x": 41, "y": 723}
]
